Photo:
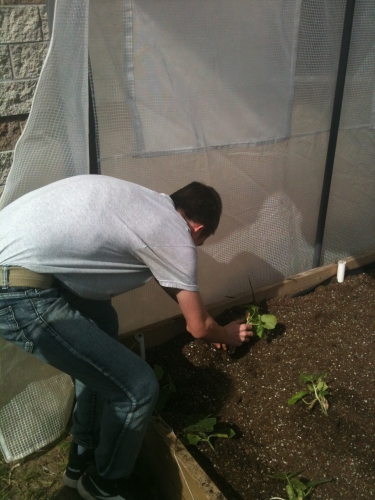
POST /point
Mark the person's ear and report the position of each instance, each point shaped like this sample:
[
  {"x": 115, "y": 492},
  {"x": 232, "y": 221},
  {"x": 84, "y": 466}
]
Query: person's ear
[{"x": 196, "y": 228}]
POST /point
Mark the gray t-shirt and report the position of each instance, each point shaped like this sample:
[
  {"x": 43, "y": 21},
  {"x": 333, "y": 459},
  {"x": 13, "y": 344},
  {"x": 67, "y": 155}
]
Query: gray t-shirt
[{"x": 100, "y": 236}]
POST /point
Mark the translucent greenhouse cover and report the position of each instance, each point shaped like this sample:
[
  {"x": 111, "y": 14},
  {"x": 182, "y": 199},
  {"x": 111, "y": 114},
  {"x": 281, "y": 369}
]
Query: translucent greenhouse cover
[{"x": 237, "y": 95}]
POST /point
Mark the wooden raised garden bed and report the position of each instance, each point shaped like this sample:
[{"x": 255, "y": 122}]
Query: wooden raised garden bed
[{"x": 329, "y": 330}]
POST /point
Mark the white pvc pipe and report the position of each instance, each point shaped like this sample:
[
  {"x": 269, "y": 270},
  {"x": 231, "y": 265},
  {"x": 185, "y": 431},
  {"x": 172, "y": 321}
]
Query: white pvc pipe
[
  {"x": 141, "y": 341},
  {"x": 341, "y": 270}
]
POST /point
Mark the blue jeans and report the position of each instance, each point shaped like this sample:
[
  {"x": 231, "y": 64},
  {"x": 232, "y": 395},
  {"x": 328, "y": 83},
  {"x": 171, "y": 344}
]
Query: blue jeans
[{"x": 116, "y": 390}]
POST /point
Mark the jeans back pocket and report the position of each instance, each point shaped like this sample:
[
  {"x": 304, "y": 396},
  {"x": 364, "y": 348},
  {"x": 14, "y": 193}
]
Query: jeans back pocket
[{"x": 10, "y": 331}]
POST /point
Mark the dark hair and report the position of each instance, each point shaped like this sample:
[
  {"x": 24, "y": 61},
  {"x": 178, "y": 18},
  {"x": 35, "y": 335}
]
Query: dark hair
[{"x": 201, "y": 204}]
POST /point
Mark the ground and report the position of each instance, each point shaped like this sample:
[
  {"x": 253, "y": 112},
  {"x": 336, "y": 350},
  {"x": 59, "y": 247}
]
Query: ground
[
  {"x": 330, "y": 330},
  {"x": 38, "y": 476}
]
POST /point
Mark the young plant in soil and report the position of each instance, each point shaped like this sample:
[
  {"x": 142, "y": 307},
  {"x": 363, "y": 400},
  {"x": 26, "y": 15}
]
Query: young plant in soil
[
  {"x": 260, "y": 322},
  {"x": 167, "y": 387},
  {"x": 297, "y": 488},
  {"x": 200, "y": 430},
  {"x": 317, "y": 389}
]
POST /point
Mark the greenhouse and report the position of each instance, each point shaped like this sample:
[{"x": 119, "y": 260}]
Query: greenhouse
[{"x": 271, "y": 102}]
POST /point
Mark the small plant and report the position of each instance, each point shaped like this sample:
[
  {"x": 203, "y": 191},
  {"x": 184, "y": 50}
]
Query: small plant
[
  {"x": 297, "y": 488},
  {"x": 167, "y": 387},
  {"x": 260, "y": 322},
  {"x": 202, "y": 430},
  {"x": 317, "y": 388}
]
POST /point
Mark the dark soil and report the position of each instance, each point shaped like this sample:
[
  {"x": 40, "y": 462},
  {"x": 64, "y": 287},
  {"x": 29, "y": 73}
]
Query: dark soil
[{"x": 332, "y": 330}]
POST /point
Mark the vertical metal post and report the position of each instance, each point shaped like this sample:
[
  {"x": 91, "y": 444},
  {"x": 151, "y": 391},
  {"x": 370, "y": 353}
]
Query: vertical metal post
[
  {"x": 335, "y": 121},
  {"x": 50, "y": 7},
  {"x": 93, "y": 148}
]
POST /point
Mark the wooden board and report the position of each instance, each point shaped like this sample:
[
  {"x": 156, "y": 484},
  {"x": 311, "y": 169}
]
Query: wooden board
[
  {"x": 178, "y": 474},
  {"x": 162, "y": 331}
]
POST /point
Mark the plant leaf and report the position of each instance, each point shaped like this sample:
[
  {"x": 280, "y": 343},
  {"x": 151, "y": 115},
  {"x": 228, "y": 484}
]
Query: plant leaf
[
  {"x": 294, "y": 474},
  {"x": 193, "y": 439},
  {"x": 321, "y": 385},
  {"x": 268, "y": 321},
  {"x": 206, "y": 425},
  {"x": 312, "y": 484},
  {"x": 226, "y": 433},
  {"x": 252, "y": 310},
  {"x": 298, "y": 485},
  {"x": 258, "y": 330},
  {"x": 306, "y": 378},
  {"x": 297, "y": 397},
  {"x": 290, "y": 491}
]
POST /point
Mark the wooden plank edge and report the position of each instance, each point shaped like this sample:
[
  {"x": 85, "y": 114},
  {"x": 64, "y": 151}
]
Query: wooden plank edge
[
  {"x": 162, "y": 331},
  {"x": 177, "y": 473}
]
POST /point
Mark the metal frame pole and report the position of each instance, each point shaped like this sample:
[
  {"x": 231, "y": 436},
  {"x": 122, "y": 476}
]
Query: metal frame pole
[
  {"x": 50, "y": 6},
  {"x": 93, "y": 147},
  {"x": 335, "y": 121}
]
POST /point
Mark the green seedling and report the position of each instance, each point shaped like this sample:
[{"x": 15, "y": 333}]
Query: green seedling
[
  {"x": 203, "y": 430},
  {"x": 260, "y": 322},
  {"x": 297, "y": 488},
  {"x": 317, "y": 389},
  {"x": 167, "y": 387}
]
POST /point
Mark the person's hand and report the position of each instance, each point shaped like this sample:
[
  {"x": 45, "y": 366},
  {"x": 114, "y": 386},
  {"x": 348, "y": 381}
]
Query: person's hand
[
  {"x": 221, "y": 346},
  {"x": 237, "y": 332}
]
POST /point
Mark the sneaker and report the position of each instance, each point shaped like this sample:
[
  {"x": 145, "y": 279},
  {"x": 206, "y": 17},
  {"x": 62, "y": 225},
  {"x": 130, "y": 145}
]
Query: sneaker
[
  {"x": 91, "y": 486},
  {"x": 77, "y": 464}
]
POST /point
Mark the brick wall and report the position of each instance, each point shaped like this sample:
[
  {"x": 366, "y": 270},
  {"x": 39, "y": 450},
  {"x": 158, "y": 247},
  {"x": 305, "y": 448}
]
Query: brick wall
[{"x": 24, "y": 42}]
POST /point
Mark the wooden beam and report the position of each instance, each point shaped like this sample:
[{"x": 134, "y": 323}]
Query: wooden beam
[
  {"x": 165, "y": 330},
  {"x": 294, "y": 284},
  {"x": 177, "y": 473}
]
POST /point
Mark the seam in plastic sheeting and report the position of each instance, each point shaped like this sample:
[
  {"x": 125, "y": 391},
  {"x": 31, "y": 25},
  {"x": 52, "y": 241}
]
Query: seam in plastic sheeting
[{"x": 138, "y": 144}]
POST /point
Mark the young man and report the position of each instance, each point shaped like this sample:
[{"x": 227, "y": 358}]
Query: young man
[{"x": 66, "y": 249}]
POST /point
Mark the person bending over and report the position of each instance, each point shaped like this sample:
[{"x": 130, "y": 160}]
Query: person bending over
[{"x": 66, "y": 250}]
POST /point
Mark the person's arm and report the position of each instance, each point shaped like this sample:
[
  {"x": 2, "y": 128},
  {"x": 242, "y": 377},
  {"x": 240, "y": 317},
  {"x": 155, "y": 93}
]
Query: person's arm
[{"x": 202, "y": 326}]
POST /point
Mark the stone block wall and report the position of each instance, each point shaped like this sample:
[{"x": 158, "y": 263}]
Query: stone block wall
[{"x": 24, "y": 40}]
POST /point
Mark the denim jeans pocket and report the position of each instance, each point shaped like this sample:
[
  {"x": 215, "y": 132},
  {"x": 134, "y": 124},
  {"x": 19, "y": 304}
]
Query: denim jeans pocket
[{"x": 10, "y": 331}]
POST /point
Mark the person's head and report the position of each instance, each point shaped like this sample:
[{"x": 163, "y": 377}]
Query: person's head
[{"x": 201, "y": 207}]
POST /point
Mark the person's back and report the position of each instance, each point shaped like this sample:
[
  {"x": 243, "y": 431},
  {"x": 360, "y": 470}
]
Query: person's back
[{"x": 99, "y": 235}]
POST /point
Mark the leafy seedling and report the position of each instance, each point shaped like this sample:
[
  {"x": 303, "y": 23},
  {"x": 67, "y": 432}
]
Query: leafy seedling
[
  {"x": 203, "y": 430},
  {"x": 167, "y": 387},
  {"x": 297, "y": 488},
  {"x": 260, "y": 322},
  {"x": 317, "y": 389}
]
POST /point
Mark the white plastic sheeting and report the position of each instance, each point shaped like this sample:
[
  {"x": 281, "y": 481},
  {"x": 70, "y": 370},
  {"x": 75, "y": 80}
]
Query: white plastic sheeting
[
  {"x": 35, "y": 402},
  {"x": 36, "y": 399},
  {"x": 238, "y": 95},
  {"x": 54, "y": 143},
  {"x": 232, "y": 86}
]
